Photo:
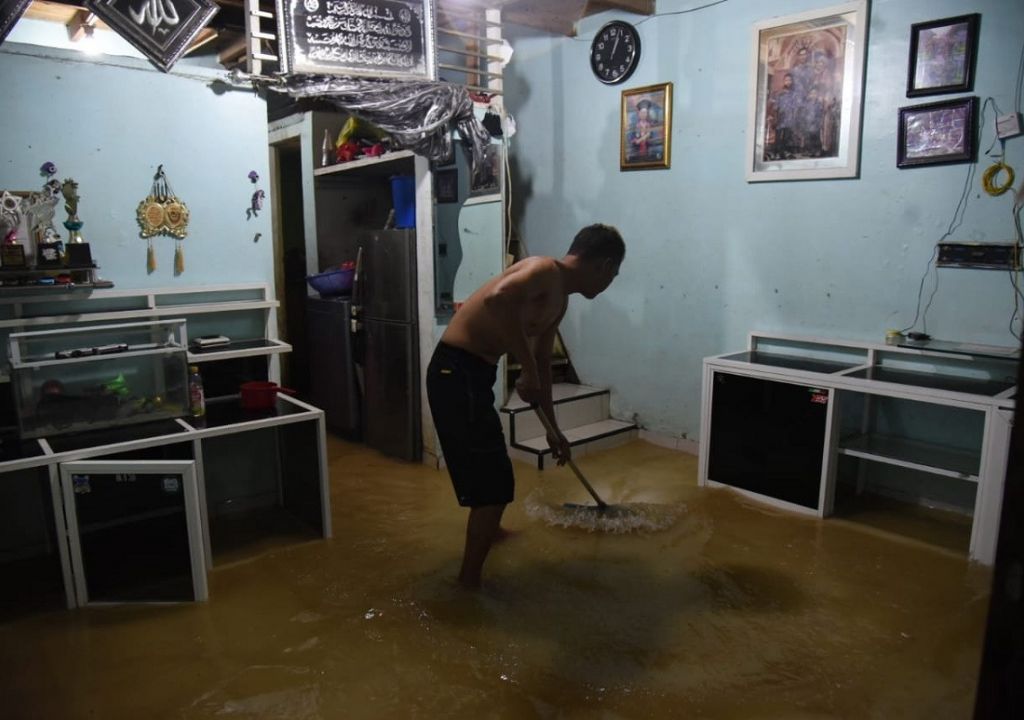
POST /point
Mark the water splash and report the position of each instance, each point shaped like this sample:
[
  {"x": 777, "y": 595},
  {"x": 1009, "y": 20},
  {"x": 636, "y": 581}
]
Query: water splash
[{"x": 617, "y": 518}]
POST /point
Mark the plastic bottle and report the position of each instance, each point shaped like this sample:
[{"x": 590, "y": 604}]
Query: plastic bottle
[{"x": 196, "y": 397}]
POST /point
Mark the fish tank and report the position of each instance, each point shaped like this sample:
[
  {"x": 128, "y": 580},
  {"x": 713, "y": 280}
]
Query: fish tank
[{"x": 94, "y": 377}]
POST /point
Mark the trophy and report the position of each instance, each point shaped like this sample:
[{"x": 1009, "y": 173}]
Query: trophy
[
  {"x": 78, "y": 252},
  {"x": 12, "y": 252}
]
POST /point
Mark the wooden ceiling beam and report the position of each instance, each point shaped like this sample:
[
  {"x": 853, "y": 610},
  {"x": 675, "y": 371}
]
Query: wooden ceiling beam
[
  {"x": 554, "y": 17},
  {"x": 640, "y": 7}
]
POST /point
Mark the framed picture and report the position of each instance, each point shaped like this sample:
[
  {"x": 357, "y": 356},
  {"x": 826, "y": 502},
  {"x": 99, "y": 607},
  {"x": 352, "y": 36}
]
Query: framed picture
[
  {"x": 10, "y": 12},
  {"x": 488, "y": 182},
  {"x": 942, "y": 55},
  {"x": 937, "y": 133},
  {"x": 446, "y": 185},
  {"x": 160, "y": 31},
  {"x": 645, "y": 138},
  {"x": 806, "y": 94}
]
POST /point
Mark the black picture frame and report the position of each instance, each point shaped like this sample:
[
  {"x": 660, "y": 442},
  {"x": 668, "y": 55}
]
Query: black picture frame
[
  {"x": 488, "y": 181},
  {"x": 937, "y": 133},
  {"x": 446, "y": 185},
  {"x": 393, "y": 39},
  {"x": 942, "y": 55},
  {"x": 155, "y": 36},
  {"x": 10, "y": 12}
]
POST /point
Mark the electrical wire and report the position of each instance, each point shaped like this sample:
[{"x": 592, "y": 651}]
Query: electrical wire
[
  {"x": 1020, "y": 81},
  {"x": 664, "y": 14},
  {"x": 988, "y": 179},
  {"x": 954, "y": 224}
]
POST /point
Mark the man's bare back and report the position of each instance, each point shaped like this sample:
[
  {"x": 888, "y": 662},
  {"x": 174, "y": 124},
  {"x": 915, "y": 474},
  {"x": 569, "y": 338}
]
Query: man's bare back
[{"x": 526, "y": 301}]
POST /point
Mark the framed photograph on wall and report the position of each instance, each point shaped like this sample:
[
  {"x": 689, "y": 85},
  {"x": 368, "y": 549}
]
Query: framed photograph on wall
[
  {"x": 806, "y": 95},
  {"x": 487, "y": 182},
  {"x": 446, "y": 185},
  {"x": 937, "y": 133},
  {"x": 645, "y": 136},
  {"x": 942, "y": 55}
]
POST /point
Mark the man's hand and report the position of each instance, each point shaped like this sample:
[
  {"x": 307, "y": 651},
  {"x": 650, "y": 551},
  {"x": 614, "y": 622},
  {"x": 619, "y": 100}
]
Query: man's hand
[
  {"x": 559, "y": 448},
  {"x": 528, "y": 387}
]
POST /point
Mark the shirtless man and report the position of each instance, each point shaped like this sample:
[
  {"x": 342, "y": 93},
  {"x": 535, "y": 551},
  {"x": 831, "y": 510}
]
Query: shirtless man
[{"x": 516, "y": 312}]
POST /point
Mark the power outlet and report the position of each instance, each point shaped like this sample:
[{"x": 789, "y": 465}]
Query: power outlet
[{"x": 1008, "y": 126}]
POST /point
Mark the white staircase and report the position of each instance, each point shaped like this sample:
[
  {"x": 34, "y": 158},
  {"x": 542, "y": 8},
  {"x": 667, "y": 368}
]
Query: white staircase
[{"x": 581, "y": 412}]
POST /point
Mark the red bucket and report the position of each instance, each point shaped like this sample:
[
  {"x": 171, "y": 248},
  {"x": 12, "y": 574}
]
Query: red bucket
[{"x": 261, "y": 395}]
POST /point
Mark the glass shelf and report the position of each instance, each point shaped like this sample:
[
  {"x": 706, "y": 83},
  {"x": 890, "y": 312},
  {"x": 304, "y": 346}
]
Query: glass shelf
[
  {"x": 934, "y": 381},
  {"x": 914, "y": 454},
  {"x": 793, "y": 362}
]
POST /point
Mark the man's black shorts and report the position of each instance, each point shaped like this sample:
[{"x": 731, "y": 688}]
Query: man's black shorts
[{"x": 460, "y": 389}]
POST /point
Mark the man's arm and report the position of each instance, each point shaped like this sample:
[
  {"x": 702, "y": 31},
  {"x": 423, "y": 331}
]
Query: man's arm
[
  {"x": 542, "y": 354},
  {"x": 507, "y": 301}
]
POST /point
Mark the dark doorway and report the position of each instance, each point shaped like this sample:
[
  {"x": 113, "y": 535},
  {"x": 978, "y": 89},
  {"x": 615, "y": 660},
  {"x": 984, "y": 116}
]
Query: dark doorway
[{"x": 290, "y": 267}]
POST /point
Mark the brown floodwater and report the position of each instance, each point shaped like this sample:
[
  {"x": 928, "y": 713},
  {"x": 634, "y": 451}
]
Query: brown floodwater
[{"x": 735, "y": 611}]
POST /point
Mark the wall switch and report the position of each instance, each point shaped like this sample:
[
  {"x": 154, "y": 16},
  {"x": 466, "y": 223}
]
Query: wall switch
[{"x": 1008, "y": 126}]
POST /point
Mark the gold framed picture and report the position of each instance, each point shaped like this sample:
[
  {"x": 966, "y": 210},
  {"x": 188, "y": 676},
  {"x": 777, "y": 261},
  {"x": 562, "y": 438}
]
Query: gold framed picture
[{"x": 645, "y": 139}]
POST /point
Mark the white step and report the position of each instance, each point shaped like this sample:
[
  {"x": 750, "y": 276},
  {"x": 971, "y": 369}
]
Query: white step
[
  {"x": 584, "y": 439},
  {"x": 574, "y": 405}
]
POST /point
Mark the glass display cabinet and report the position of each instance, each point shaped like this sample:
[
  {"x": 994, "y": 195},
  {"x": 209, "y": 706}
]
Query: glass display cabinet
[
  {"x": 134, "y": 531},
  {"x": 87, "y": 378}
]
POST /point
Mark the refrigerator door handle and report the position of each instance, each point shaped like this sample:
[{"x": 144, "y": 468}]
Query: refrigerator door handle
[{"x": 357, "y": 286}]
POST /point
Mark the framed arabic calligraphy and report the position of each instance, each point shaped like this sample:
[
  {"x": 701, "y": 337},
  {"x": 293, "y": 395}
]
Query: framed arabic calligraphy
[
  {"x": 376, "y": 38},
  {"x": 160, "y": 29},
  {"x": 10, "y": 13}
]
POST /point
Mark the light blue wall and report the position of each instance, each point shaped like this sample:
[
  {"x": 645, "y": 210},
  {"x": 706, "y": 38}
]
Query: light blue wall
[
  {"x": 711, "y": 257},
  {"x": 108, "y": 123}
]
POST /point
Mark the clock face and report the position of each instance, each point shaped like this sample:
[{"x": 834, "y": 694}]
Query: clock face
[{"x": 615, "y": 52}]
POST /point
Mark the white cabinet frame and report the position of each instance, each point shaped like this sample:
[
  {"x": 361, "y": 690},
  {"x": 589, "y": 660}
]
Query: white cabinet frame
[{"x": 997, "y": 410}]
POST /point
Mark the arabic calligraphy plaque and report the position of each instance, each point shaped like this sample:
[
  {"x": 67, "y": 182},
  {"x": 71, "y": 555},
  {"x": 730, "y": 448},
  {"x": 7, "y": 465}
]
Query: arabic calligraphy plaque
[
  {"x": 376, "y": 38},
  {"x": 160, "y": 29},
  {"x": 10, "y": 12}
]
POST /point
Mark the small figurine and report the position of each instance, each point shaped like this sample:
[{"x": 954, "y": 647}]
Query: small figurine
[{"x": 255, "y": 205}]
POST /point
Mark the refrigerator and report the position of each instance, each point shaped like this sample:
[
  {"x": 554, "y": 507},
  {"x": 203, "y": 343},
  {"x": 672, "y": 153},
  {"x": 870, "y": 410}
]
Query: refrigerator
[
  {"x": 386, "y": 342},
  {"x": 332, "y": 372}
]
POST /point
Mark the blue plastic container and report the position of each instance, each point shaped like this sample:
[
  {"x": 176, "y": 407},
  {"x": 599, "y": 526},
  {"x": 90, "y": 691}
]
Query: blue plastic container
[
  {"x": 403, "y": 194},
  {"x": 332, "y": 282}
]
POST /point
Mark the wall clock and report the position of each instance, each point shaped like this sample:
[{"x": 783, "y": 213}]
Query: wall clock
[{"x": 615, "y": 52}]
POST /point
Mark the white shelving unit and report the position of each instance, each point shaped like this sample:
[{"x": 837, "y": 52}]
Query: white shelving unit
[
  {"x": 965, "y": 393},
  {"x": 285, "y": 448},
  {"x": 103, "y": 307}
]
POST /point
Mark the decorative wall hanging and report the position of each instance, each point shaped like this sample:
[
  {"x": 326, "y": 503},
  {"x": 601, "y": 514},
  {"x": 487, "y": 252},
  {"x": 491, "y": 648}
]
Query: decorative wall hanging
[
  {"x": 162, "y": 213},
  {"x": 10, "y": 12},
  {"x": 419, "y": 116},
  {"x": 256, "y": 202},
  {"x": 937, "y": 133},
  {"x": 378, "y": 38},
  {"x": 645, "y": 134},
  {"x": 161, "y": 30},
  {"x": 806, "y": 95},
  {"x": 942, "y": 55}
]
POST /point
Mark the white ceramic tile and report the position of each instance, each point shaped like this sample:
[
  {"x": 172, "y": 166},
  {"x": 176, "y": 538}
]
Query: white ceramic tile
[
  {"x": 528, "y": 426},
  {"x": 583, "y": 411},
  {"x": 559, "y": 391}
]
